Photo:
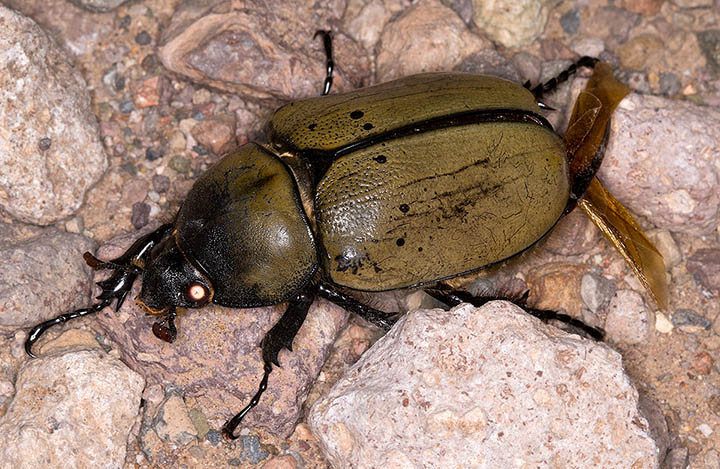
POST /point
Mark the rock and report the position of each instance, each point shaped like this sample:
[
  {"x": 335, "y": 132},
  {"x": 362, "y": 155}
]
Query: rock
[
  {"x": 489, "y": 62},
  {"x": 660, "y": 162},
  {"x": 216, "y": 133},
  {"x": 573, "y": 234},
  {"x": 42, "y": 276},
  {"x": 664, "y": 242},
  {"x": 556, "y": 286},
  {"x": 702, "y": 363},
  {"x": 511, "y": 23},
  {"x": 70, "y": 410},
  {"x": 427, "y": 36},
  {"x": 627, "y": 320},
  {"x": 281, "y": 462},
  {"x": 483, "y": 387},
  {"x": 172, "y": 422},
  {"x": 79, "y": 31},
  {"x": 705, "y": 265},
  {"x": 99, "y": 6},
  {"x": 365, "y": 19},
  {"x": 709, "y": 41},
  {"x": 690, "y": 321},
  {"x": 216, "y": 357},
  {"x": 44, "y": 98},
  {"x": 596, "y": 291},
  {"x": 263, "y": 51},
  {"x": 642, "y": 7},
  {"x": 148, "y": 92}
]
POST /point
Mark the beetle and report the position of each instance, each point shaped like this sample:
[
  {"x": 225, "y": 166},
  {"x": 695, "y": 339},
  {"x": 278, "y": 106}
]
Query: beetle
[{"x": 399, "y": 185}]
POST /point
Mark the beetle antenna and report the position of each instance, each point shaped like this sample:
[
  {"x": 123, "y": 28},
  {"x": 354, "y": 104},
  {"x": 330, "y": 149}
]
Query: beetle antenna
[{"x": 40, "y": 329}]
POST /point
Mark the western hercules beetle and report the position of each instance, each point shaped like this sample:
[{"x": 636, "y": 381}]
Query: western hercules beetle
[{"x": 399, "y": 185}]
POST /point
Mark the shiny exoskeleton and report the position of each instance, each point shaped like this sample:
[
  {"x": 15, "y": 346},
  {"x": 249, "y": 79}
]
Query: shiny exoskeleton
[{"x": 398, "y": 185}]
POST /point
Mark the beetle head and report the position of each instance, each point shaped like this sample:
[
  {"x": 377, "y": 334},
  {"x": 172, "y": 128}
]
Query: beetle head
[{"x": 171, "y": 280}]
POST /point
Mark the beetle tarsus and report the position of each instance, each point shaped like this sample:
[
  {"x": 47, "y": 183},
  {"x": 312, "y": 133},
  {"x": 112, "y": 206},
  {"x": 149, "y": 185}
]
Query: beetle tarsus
[
  {"x": 540, "y": 90},
  {"x": 455, "y": 297},
  {"x": 280, "y": 336},
  {"x": 40, "y": 329},
  {"x": 329, "y": 64}
]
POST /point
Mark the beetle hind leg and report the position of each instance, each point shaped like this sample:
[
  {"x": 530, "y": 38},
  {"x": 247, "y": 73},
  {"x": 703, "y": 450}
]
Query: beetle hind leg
[
  {"x": 455, "y": 297},
  {"x": 280, "y": 336},
  {"x": 329, "y": 63},
  {"x": 380, "y": 318},
  {"x": 550, "y": 85}
]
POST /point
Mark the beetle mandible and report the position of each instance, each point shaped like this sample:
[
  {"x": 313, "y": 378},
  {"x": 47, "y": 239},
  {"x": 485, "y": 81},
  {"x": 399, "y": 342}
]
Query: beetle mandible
[{"x": 399, "y": 185}]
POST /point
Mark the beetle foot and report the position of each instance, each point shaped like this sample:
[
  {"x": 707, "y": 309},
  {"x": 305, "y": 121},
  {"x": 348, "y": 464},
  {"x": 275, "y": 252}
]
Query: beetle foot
[{"x": 228, "y": 430}]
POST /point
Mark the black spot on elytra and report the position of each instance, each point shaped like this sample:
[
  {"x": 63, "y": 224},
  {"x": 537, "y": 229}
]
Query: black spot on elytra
[
  {"x": 380, "y": 159},
  {"x": 356, "y": 114},
  {"x": 312, "y": 126},
  {"x": 400, "y": 242},
  {"x": 404, "y": 208},
  {"x": 420, "y": 249},
  {"x": 368, "y": 126}
]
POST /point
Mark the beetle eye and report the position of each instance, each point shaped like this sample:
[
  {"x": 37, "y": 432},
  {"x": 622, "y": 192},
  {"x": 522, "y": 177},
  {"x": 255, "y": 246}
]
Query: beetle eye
[{"x": 196, "y": 293}]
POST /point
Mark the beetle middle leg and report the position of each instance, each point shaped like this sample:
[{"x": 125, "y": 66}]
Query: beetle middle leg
[
  {"x": 329, "y": 63},
  {"x": 455, "y": 297},
  {"x": 280, "y": 336}
]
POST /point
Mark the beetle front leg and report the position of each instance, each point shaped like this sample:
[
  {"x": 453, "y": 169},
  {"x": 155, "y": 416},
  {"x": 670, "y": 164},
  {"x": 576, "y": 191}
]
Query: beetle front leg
[
  {"x": 126, "y": 269},
  {"x": 280, "y": 336},
  {"x": 380, "y": 318}
]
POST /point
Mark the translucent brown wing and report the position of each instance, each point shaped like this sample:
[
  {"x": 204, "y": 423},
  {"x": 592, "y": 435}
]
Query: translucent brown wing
[{"x": 584, "y": 137}]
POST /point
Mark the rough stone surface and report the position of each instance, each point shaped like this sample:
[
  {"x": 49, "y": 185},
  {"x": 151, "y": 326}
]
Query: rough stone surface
[
  {"x": 78, "y": 30},
  {"x": 259, "y": 50},
  {"x": 705, "y": 264},
  {"x": 662, "y": 162},
  {"x": 43, "y": 97},
  {"x": 511, "y": 23},
  {"x": 365, "y": 19},
  {"x": 627, "y": 320},
  {"x": 70, "y": 410},
  {"x": 426, "y": 37},
  {"x": 216, "y": 356},
  {"x": 483, "y": 387},
  {"x": 42, "y": 276}
]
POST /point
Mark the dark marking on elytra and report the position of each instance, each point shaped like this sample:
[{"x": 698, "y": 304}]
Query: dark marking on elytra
[
  {"x": 400, "y": 242},
  {"x": 404, "y": 208},
  {"x": 368, "y": 126},
  {"x": 380, "y": 159},
  {"x": 312, "y": 126},
  {"x": 356, "y": 114}
]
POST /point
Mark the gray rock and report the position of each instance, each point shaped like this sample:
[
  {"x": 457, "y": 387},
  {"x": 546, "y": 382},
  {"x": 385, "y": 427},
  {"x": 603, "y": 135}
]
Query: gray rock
[
  {"x": 705, "y": 265},
  {"x": 427, "y": 36},
  {"x": 44, "y": 98},
  {"x": 41, "y": 276},
  {"x": 365, "y": 19},
  {"x": 246, "y": 50},
  {"x": 661, "y": 162},
  {"x": 70, "y": 410},
  {"x": 483, "y": 387},
  {"x": 489, "y": 62},
  {"x": 690, "y": 321},
  {"x": 511, "y": 23},
  {"x": 172, "y": 422},
  {"x": 216, "y": 357},
  {"x": 596, "y": 291},
  {"x": 627, "y": 319}
]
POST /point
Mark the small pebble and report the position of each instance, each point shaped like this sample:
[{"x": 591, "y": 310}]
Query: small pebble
[
  {"x": 180, "y": 163},
  {"x": 151, "y": 154},
  {"x": 690, "y": 321},
  {"x": 662, "y": 324},
  {"x": 197, "y": 115},
  {"x": 669, "y": 84},
  {"x": 161, "y": 183},
  {"x": 214, "y": 437},
  {"x": 119, "y": 83},
  {"x": 201, "y": 96},
  {"x": 150, "y": 63},
  {"x": 200, "y": 150},
  {"x": 126, "y": 107},
  {"x": 570, "y": 21},
  {"x": 140, "y": 214},
  {"x": 705, "y": 429},
  {"x": 44, "y": 143},
  {"x": 143, "y": 38},
  {"x": 702, "y": 363}
]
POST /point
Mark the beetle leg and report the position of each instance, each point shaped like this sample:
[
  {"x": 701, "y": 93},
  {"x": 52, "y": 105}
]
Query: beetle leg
[
  {"x": 551, "y": 84},
  {"x": 380, "y": 318},
  {"x": 165, "y": 329},
  {"x": 329, "y": 64},
  {"x": 455, "y": 297},
  {"x": 126, "y": 269},
  {"x": 280, "y": 336}
]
